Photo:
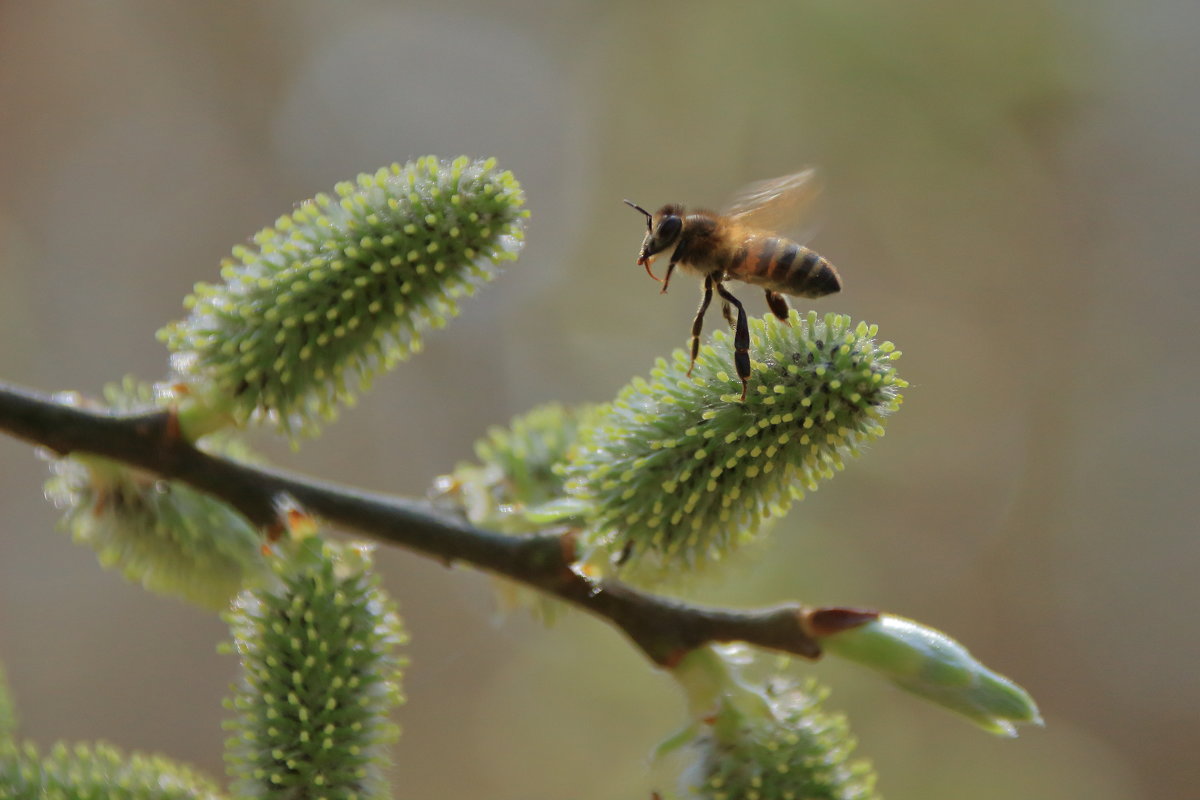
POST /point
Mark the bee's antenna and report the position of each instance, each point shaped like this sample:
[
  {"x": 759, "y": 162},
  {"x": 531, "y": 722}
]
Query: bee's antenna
[{"x": 649, "y": 216}]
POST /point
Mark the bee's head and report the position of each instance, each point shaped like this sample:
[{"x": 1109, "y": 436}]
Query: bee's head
[{"x": 662, "y": 231}]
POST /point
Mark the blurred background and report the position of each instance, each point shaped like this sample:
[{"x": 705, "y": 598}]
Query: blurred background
[{"x": 1011, "y": 196}]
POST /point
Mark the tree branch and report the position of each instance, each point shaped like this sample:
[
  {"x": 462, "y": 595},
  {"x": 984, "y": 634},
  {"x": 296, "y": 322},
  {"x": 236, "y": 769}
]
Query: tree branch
[{"x": 662, "y": 628}]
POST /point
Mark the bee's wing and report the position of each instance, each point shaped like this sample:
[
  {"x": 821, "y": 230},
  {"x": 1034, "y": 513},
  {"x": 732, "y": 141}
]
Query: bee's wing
[{"x": 779, "y": 205}]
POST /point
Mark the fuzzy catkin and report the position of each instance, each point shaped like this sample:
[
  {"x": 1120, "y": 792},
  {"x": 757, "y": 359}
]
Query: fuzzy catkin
[
  {"x": 518, "y": 468},
  {"x": 168, "y": 537},
  {"x": 680, "y": 472},
  {"x": 8, "y": 716},
  {"x": 89, "y": 772},
  {"x": 320, "y": 675},
  {"x": 340, "y": 290},
  {"x": 789, "y": 749}
]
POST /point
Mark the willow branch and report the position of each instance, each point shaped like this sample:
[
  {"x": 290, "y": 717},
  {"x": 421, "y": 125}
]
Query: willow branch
[{"x": 664, "y": 629}]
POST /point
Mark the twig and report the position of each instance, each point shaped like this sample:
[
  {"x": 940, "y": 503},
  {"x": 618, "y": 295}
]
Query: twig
[{"x": 663, "y": 628}]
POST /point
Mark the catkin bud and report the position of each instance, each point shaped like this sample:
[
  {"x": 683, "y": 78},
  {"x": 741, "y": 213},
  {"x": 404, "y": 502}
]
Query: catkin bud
[
  {"x": 680, "y": 471},
  {"x": 320, "y": 675},
  {"x": 340, "y": 289},
  {"x": 165, "y": 535},
  {"x": 95, "y": 771}
]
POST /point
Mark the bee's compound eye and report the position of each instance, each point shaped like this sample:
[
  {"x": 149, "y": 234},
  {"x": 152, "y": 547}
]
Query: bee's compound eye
[{"x": 668, "y": 229}]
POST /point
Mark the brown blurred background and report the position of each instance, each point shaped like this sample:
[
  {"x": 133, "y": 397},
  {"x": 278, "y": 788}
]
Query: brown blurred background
[{"x": 1011, "y": 197}]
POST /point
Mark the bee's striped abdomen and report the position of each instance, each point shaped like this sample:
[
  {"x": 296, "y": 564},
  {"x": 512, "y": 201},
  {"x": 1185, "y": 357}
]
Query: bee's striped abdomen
[{"x": 782, "y": 265}]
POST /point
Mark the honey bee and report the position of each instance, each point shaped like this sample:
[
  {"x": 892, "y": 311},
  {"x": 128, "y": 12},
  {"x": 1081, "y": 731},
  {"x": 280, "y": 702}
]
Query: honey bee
[{"x": 738, "y": 244}]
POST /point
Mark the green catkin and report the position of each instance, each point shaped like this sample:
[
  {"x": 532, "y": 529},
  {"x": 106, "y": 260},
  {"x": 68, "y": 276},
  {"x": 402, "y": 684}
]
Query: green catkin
[
  {"x": 515, "y": 486},
  {"x": 91, "y": 772},
  {"x": 340, "y": 290},
  {"x": 319, "y": 677},
  {"x": 761, "y": 741},
  {"x": 8, "y": 716},
  {"x": 680, "y": 471},
  {"x": 518, "y": 468},
  {"x": 789, "y": 748},
  {"x": 164, "y": 535}
]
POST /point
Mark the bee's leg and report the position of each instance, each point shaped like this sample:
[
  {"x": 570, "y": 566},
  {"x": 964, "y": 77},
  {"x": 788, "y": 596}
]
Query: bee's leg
[
  {"x": 679, "y": 255},
  {"x": 698, "y": 322},
  {"x": 778, "y": 304},
  {"x": 726, "y": 309},
  {"x": 741, "y": 339},
  {"x": 667, "y": 278},
  {"x": 727, "y": 312}
]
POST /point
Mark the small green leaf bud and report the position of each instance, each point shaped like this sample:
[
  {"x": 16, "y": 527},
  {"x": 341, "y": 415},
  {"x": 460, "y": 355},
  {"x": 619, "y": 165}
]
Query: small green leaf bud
[
  {"x": 340, "y": 290},
  {"x": 172, "y": 539},
  {"x": 930, "y": 664},
  {"x": 681, "y": 472},
  {"x": 770, "y": 742},
  {"x": 320, "y": 674}
]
